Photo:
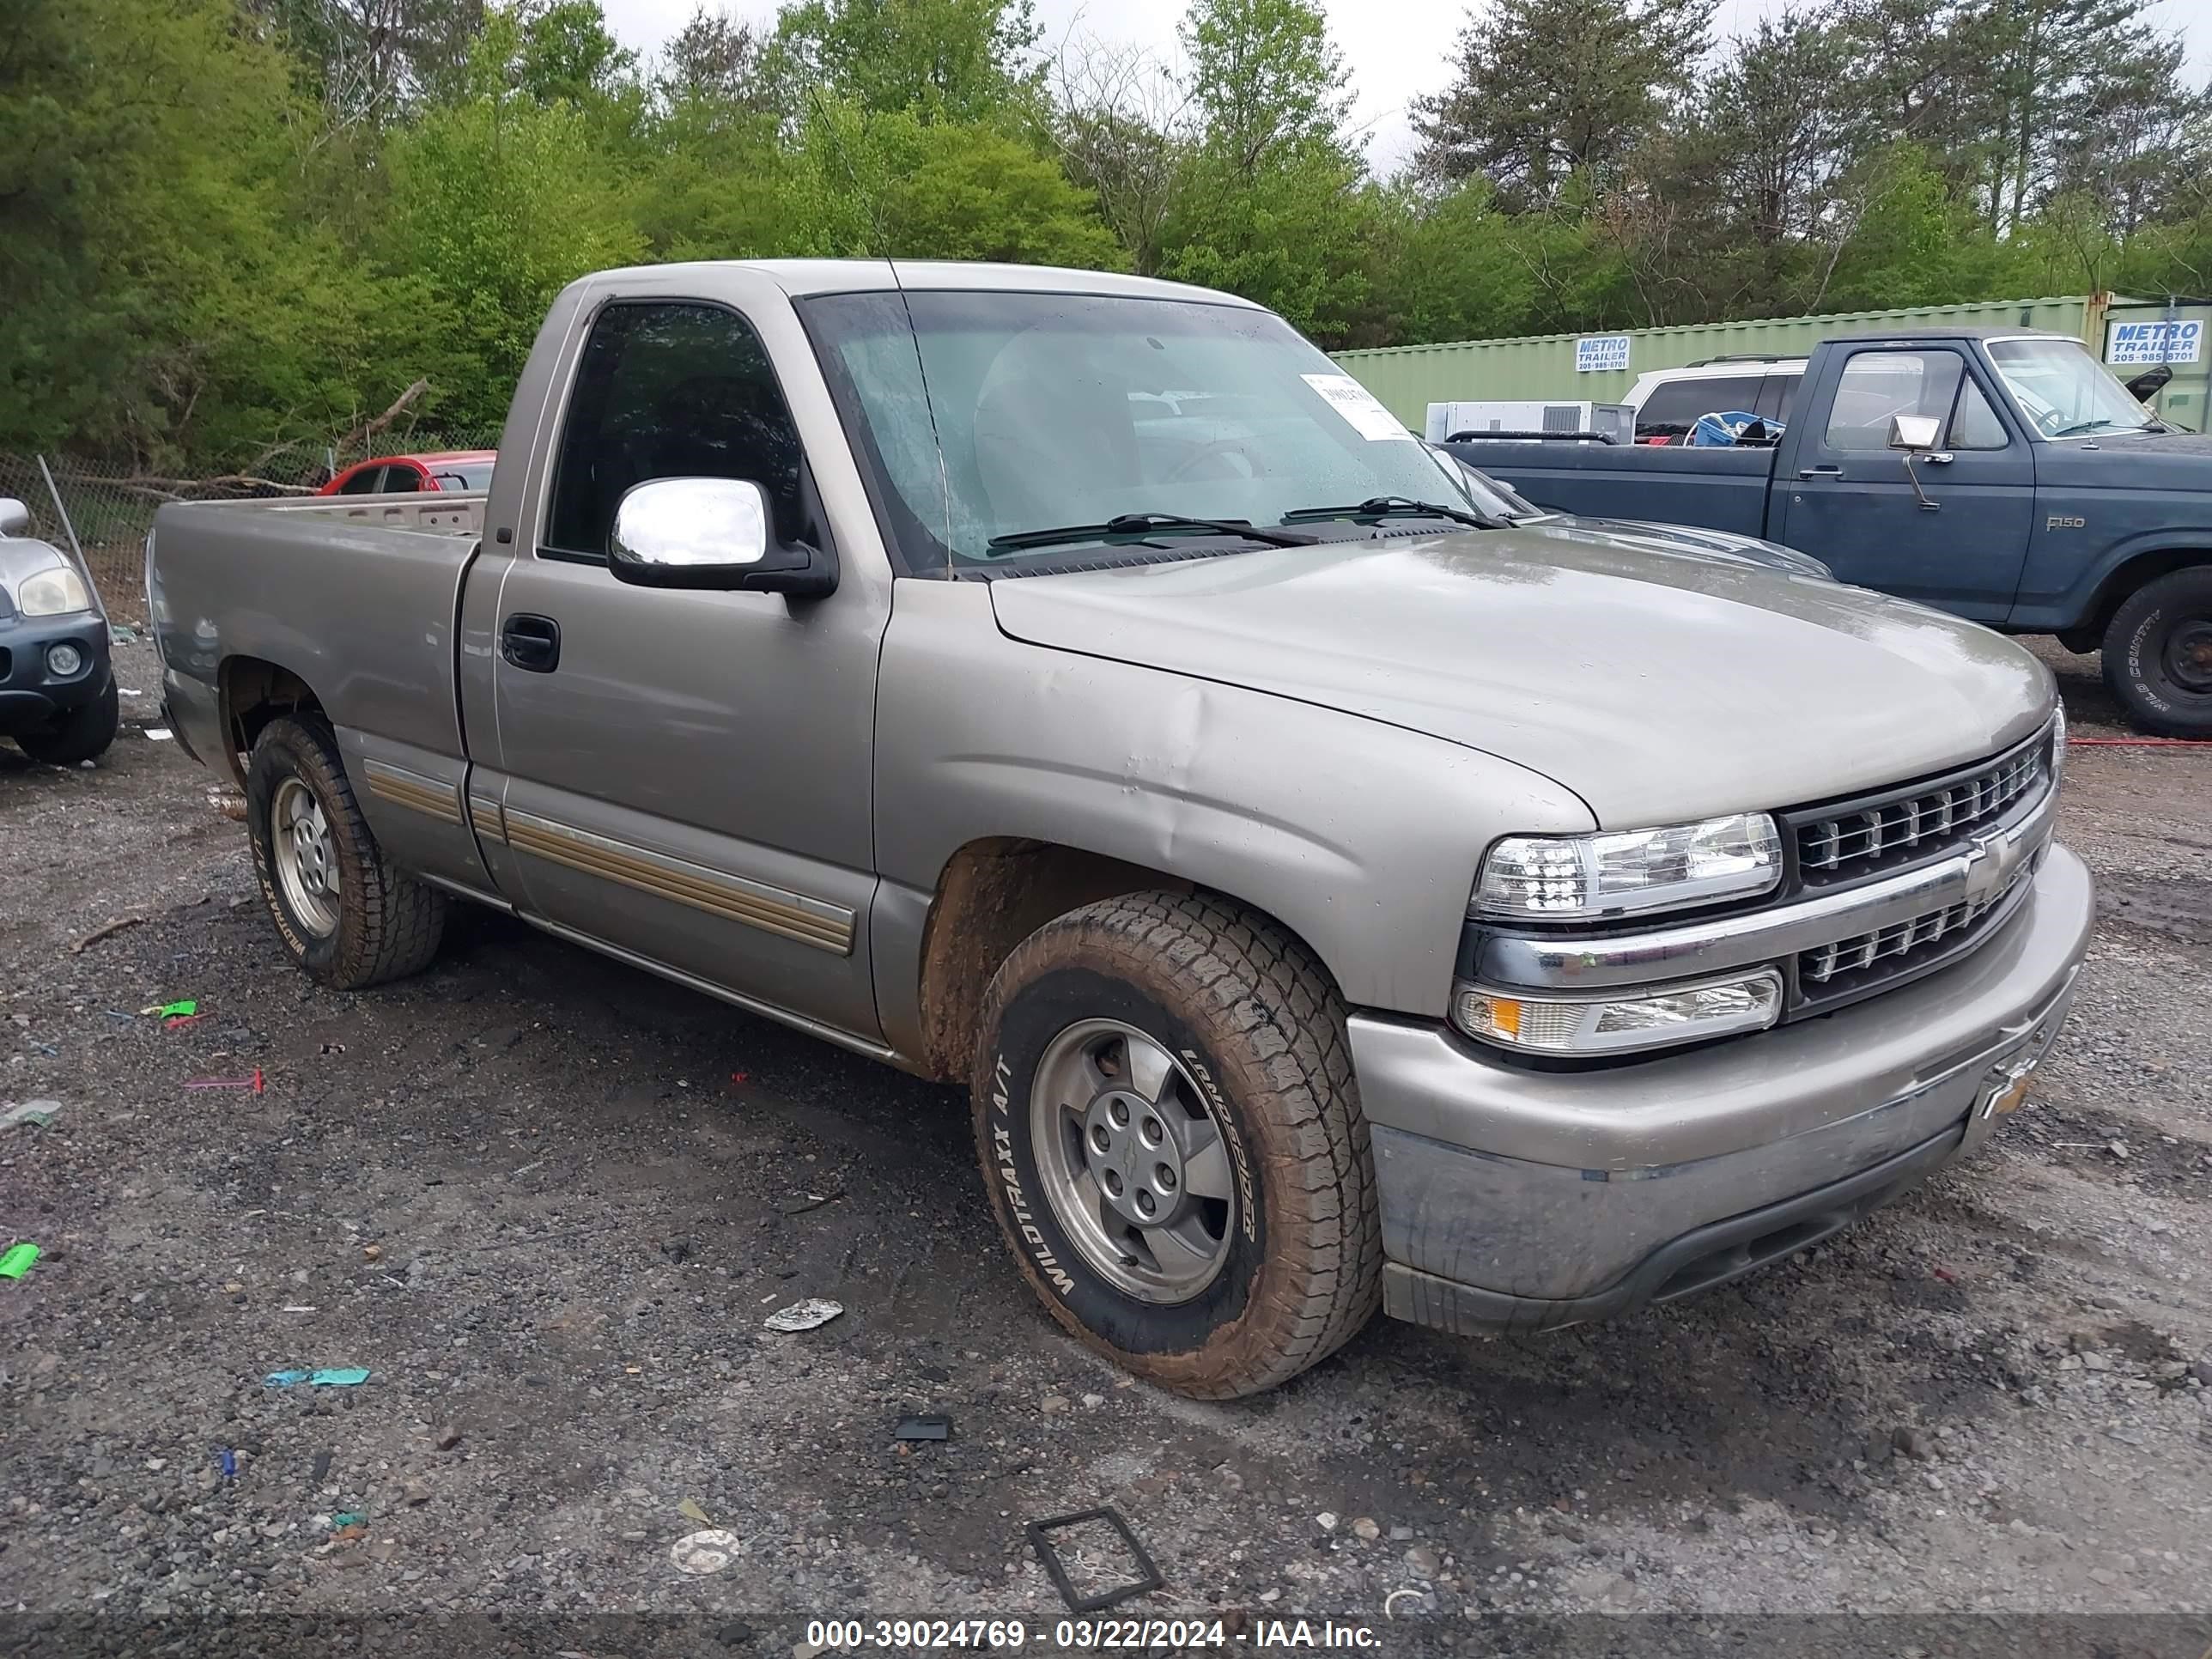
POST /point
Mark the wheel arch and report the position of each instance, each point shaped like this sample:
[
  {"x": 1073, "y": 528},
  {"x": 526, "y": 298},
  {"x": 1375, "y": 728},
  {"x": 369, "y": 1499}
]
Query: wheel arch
[
  {"x": 993, "y": 893},
  {"x": 2133, "y": 572},
  {"x": 251, "y": 691}
]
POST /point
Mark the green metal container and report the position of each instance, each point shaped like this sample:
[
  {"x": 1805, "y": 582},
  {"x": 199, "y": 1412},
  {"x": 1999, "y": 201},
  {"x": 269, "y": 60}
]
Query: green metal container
[{"x": 1408, "y": 379}]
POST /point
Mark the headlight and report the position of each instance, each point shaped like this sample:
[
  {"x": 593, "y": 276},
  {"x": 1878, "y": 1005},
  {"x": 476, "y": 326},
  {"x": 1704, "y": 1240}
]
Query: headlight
[
  {"x": 2058, "y": 747},
  {"x": 53, "y": 594},
  {"x": 1621, "y": 1022},
  {"x": 1623, "y": 872}
]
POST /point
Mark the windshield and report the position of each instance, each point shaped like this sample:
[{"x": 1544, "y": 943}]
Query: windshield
[
  {"x": 1487, "y": 495},
  {"x": 2063, "y": 390},
  {"x": 987, "y": 416}
]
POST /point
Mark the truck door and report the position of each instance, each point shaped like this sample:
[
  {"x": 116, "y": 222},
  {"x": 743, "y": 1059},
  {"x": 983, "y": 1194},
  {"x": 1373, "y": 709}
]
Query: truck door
[
  {"x": 685, "y": 775},
  {"x": 1849, "y": 501}
]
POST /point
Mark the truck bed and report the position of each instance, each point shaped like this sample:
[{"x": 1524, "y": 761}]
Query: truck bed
[
  {"x": 310, "y": 584},
  {"x": 1719, "y": 488}
]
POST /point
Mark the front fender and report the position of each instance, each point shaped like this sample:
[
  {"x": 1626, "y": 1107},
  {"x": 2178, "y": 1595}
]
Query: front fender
[
  {"x": 2061, "y": 589},
  {"x": 1361, "y": 837}
]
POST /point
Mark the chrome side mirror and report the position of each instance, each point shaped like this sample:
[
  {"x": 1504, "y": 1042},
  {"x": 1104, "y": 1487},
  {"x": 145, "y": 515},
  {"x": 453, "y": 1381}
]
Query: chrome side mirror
[
  {"x": 15, "y": 517},
  {"x": 1914, "y": 431},
  {"x": 1916, "y": 435},
  {"x": 711, "y": 533}
]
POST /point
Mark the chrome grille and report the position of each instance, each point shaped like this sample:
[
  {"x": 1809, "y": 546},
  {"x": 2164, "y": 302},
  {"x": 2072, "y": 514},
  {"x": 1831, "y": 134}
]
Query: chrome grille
[
  {"x": 1903, "y": 945},
  {"x": 1862, "y": 835}
]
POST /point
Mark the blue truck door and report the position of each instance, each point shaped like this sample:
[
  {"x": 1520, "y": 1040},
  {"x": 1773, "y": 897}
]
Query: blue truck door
[{"x": 1845, "y": 496}]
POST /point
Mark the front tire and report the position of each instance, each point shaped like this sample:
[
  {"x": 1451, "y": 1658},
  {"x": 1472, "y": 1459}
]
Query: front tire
[
  {"x": 2157, "y": 654},
  {"x": 1171, "y": 1137},
  {"x": 346, "y": 916},
  {"x": 80, "y": 735}
]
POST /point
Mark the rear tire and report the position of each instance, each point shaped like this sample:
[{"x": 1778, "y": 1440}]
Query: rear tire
[
  {"x": 346, "y": 916},
  {"x": 1233, "y": 1064},
  {"x": 2157, "y": 654},
  {"x": 80, "y": 735}
]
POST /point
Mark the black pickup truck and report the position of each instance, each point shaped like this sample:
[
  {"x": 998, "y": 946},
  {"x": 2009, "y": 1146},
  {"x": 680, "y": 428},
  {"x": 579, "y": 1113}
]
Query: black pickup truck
[{"x": 2002, "y": 475}]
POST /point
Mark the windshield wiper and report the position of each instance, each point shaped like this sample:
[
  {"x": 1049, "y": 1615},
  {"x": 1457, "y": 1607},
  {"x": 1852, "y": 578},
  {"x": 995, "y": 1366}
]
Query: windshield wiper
[
  {"x": 1139, "y": 523},
  {"x": 2102, "y": 424},
  {"x": 1397, "y": 506}
]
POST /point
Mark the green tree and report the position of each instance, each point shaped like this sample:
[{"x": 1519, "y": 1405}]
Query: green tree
[
  {"x": 950, "y": 60},
  {"x": 1269, "y": 204},
  {"x": 1546, "y": 88},
  {"x": 497, "y": 202}
]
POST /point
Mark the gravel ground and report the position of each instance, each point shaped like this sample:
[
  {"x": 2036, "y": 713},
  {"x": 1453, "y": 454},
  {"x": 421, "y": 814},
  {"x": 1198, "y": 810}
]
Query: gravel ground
[{"x": 547, "y": 1202}]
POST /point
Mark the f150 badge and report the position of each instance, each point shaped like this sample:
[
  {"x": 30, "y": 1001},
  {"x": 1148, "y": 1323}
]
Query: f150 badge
[{"x": 2060, "y": 521}]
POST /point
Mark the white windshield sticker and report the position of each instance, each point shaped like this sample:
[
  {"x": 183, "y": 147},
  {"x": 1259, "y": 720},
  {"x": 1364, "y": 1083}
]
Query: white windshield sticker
[{"x": 1359, "y": 406}]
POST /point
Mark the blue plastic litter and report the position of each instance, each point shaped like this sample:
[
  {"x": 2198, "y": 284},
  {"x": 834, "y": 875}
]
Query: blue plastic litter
[{"x": 284, "y": 1379}]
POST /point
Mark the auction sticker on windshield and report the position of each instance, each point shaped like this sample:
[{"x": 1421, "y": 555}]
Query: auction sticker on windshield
[{"x": 1359, "y": 406}]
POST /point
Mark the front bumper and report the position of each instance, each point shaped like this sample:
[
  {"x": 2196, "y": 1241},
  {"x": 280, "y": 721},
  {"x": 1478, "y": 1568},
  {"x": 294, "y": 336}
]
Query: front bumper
[
  {"x": 30, "y": 696},
  {"x": 1529, "y": 1200}
]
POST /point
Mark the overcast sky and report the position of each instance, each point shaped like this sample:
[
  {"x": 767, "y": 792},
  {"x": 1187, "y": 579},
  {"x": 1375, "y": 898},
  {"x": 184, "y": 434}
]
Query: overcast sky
[{"x": 1397, "y": 49}]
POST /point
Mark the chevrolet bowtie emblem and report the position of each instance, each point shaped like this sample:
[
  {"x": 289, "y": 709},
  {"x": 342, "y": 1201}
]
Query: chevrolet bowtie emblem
[{"x": 1990, "y": 857}]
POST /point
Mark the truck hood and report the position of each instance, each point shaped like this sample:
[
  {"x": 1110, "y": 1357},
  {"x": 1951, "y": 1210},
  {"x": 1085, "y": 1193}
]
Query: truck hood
[
  {"x": 1659, "y": 687},
  {"x": 1723, "y": 545}
]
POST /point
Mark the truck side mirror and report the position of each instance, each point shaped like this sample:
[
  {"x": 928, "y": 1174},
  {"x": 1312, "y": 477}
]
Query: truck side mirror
[
  {"x": 1914, "y": 431},
  {"x": 15, "y": 517},
  {"x": 711, "y": 533},
  {"x": 2148, "y": 383},
  {"x": 1916, "y": 435}
]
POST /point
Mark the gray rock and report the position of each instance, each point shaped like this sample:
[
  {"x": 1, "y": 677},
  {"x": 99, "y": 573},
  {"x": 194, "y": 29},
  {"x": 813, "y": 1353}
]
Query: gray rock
[
  {"x": 1423, "y": 1562},
  {"x": 1914, "y": 1443}
]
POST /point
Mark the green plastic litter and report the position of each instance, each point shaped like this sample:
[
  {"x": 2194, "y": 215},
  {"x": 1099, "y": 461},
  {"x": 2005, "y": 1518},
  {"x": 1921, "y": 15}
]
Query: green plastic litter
[
  {"x": 18, "y": 1260},
  {"x": 347, "y": 1518},
  {"x": 179, "y": 1010},
  {"x": 341, "y": 1377}
]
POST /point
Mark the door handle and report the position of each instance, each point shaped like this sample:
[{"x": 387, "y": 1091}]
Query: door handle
[
  {"x": 531, "y": 642},
  {"x": 1819, "y": 472}
]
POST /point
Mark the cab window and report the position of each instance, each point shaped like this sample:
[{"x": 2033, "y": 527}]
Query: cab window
[
  {"x": 679, "y": 390},
  {"x": 1974, "y": 424},
  {"x": 366, "y": 482},
  {"x": 1877, "y": 385}
]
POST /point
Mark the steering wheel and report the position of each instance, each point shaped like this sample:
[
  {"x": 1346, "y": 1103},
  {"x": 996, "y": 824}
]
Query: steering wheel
[{"x": 1207, "y": 452}]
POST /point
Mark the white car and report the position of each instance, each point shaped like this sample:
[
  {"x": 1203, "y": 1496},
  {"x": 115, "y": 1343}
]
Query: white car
[{"x": 1668, "y": 401}]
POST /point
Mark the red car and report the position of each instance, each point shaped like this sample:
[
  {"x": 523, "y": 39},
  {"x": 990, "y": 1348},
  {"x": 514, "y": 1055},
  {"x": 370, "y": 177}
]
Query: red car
[{"x": 403, "y": 474}]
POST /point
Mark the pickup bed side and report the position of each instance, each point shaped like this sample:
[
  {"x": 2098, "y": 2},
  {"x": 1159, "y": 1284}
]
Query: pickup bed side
[{"x": 262, "y": 608}]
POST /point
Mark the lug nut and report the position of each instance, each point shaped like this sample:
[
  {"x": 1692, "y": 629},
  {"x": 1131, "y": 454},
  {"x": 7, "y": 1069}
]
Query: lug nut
[
  {"x": 1118, "y": 1111},
  {"x": 1099, "y": 1138},
  {"x": 1145, "y": 1206},
  {"x": 1113, "y": 1183},
  {"x": 1163, "y": 1178},
  {"x": 1155, "y": 1132}
]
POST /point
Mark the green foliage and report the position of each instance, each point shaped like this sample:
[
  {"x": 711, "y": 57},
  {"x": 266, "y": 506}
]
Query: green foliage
[
  {"x": 497, "y": 203},
  {"x": 230, "y": 226},
  {"x": 952, "y": 60}
]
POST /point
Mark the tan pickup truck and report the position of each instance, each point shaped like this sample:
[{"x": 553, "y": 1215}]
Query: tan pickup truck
[{"x": 1331, "y": 894}]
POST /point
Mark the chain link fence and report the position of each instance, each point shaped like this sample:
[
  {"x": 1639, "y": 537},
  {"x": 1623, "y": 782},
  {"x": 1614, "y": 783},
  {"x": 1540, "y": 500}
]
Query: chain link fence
[{"x": 107, "y": 511}]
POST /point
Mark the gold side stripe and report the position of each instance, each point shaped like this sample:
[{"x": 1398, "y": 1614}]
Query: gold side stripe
[
  {"x": 772, "y": 910},
  {"x": 490, "y": 821},
  {"x": 417, "y": 794}
]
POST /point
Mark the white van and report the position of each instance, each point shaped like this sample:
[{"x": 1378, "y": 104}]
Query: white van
[{"x": 1668, "y": 401}]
